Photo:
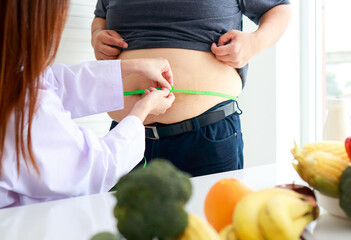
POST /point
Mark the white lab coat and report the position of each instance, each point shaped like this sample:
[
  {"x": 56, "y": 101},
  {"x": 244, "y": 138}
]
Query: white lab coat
[{"x": 72, "y": 160}]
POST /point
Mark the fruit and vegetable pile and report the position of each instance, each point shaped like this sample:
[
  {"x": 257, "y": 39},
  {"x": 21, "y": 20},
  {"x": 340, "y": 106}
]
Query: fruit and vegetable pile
[
  {"x": 151, "y": 200},
  {"x": 272, "y": 213},
  {"x": 326, "y": 167}
]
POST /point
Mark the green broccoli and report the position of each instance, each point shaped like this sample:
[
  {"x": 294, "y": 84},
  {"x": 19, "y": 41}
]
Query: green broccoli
[{"x": 150, "y": 202}]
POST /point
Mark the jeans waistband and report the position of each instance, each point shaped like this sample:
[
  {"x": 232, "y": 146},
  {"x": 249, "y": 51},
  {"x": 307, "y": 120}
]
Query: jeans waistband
[{"x": 211, "y": 116}]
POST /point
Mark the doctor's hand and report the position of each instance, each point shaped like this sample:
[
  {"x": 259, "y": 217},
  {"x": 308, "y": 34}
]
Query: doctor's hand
[
  {"x": 157, "y": 70},
  {"x": 235, "y": 48},
  {"x": 155, "y": 102},
  {"x": 105, "y": 42}
]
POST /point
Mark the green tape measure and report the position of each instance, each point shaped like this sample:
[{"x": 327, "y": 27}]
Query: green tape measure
[{"x": 142, "y": 91}]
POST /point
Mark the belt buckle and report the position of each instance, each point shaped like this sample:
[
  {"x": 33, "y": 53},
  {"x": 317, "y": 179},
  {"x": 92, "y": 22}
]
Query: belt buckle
[{"x": 154, "y": 131}]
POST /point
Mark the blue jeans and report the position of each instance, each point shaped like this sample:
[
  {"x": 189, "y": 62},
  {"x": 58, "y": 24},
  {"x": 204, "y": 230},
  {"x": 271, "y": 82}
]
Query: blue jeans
[{"x": 211, "y": 149}]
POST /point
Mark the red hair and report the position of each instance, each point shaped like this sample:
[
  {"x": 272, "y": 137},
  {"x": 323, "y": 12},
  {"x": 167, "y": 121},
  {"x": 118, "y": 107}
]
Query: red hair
[{"x": 30, "y": 33}]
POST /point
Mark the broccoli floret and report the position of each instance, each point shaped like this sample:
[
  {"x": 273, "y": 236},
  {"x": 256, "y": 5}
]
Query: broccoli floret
[{"x": 150, "y": 202}]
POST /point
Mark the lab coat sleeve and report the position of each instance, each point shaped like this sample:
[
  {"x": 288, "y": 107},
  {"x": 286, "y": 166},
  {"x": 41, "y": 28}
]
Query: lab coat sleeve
[
  {"x": 88, "y": 88},
  {"x": 72, "y": 160}
]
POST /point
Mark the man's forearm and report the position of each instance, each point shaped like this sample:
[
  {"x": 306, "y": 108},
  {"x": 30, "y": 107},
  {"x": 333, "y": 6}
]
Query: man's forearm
[{"x": 272, "y": 26}]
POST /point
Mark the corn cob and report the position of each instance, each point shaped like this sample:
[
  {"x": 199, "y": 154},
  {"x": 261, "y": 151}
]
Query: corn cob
[
  {"x": 337, "y": 148},
  {"x": 320, "y": 169},
  {"x": 329, "y": 165}
]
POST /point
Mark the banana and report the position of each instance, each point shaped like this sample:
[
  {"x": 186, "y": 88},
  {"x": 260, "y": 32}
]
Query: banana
[
  {"x": 285, "y": 217},
  {"x": 245, "y": 217},
  {"x": 228, "y": 233},
  {"x": 198, "y": 229}
]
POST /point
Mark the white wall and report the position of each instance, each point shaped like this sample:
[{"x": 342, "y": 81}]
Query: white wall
[
  {"x": 75, "y": 47},
  {"x": 288, "y": 63},
  {"x": 270, "y": 100},
  {"x": 257, "y": 102}
]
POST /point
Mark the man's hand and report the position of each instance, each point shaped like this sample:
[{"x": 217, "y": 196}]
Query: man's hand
[
  {"x": 104, "y": 43},
  {"x": 235, "y": 48}
]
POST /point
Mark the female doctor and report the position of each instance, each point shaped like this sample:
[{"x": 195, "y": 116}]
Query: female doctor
[{"x": 44, "y": 155}]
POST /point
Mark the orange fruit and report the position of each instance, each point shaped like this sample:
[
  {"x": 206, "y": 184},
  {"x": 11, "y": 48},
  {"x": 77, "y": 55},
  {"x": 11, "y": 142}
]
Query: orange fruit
[{"x": 221, "y": 200}]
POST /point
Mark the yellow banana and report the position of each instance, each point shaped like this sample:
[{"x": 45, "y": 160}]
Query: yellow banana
[
  {"x": 245, "y": 218},
  {"x": 198, "y": 229},
  {"x": 285, "y": 217},
  {"x": 228, "y": 233}
]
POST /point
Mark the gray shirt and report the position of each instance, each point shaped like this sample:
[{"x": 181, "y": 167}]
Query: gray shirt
[{"x": 188, "y": 24}]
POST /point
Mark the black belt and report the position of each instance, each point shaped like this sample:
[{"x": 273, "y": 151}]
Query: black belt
[{"x": 155, "y": 132}]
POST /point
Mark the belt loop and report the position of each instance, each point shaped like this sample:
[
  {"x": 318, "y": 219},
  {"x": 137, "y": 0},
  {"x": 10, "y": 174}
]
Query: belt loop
[
  {"x": 196, "y": 124},
  {"x": 237, "y": 106}
]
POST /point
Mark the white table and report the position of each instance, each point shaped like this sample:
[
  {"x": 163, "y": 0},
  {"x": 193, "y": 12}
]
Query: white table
[{"x": 82, "y": 217}]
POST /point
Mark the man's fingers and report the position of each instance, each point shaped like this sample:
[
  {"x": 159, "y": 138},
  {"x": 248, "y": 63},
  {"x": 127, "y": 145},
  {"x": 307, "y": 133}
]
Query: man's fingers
[
  {"x": 225, "y": 38},
  {"x": 221, "y": 50},
  {"x": 112, "y": 41},
  {"x": 224, "y": 58},
  {"x": 233, "y": 64},
  {"x": 114, "y": 34},
  {"x": 103, "y": 56},
  {"x": 110, "y": 51}
]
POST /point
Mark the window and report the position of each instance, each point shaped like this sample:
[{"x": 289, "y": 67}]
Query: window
[
  {"x": 337, "y": 36},
  {"x": 325, "y": 62},
  {"x": 336, "y": 68}
]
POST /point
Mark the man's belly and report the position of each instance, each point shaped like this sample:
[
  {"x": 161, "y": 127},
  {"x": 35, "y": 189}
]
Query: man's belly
[{"x": 192, "y": 70}]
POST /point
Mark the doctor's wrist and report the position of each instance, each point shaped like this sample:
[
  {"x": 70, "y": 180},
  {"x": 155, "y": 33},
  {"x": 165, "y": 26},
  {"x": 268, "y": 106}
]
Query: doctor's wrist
[{"x": 141, "y": 110}]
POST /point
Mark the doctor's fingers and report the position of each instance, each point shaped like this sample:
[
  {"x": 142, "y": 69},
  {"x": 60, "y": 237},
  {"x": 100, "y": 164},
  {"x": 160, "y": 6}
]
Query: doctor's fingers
[
  {"x": 161, "y": 81},
  {"x": 160, "y": 100},
  {"x": 163, "y": 71},
  {"x": 170, "y": 98},
  {"x": 168, "y": 75},
  {"x": 167, "y": 98},
  {"x": 163, "y": 93}
]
